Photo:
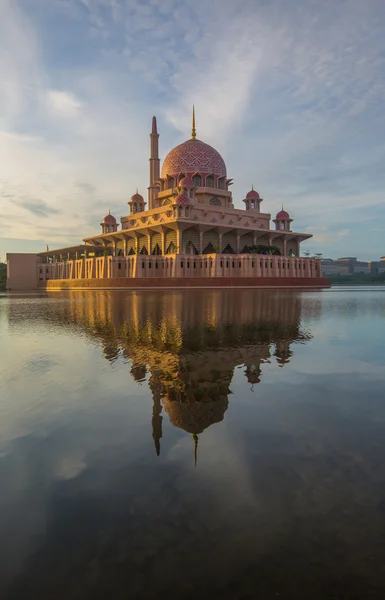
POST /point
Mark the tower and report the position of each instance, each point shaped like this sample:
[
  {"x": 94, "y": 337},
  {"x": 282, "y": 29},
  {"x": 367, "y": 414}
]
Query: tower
[
  {"x": 253, "y": 200},
  {"x": 154, "y": 164},
  {"x": 109, "y": 224},
  {"x": 282, "y": 221}
]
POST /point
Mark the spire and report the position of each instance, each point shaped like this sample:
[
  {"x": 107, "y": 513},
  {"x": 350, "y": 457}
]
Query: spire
[
  {"x": 154, "y": 126},
  {"x": 252, "y": 187},
  {"x": 195, "y": 438},
  {"x": 193, "y": 130}
]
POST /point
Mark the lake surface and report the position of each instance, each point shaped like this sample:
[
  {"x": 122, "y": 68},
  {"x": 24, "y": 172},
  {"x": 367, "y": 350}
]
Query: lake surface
[{"x": 225, "y": 444}]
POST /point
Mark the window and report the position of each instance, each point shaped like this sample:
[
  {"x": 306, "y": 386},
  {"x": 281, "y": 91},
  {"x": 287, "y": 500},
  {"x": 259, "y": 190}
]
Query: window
[
  {"x": 215, "y": 202},
  {"x": 119, "y": 265},
  {"x": 197, "y": 180},
  {"x": 210, "y": 181},
  {"x": 252, "y": 204}
]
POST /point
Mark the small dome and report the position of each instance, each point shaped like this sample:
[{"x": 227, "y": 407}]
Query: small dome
[
  {"x": 282, "y": 215},
  {"x": 109, "y": 219},
  {"x": 137, "y": 198},
  {"x": 186, "y": 182},
  {"x": 252, "y": 195},
  {"x": 182, "y": 199}
]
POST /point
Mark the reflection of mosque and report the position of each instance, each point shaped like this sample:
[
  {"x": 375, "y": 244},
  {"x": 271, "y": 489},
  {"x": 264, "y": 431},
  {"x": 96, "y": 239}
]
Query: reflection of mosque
[{"x": 187, "y": 345}]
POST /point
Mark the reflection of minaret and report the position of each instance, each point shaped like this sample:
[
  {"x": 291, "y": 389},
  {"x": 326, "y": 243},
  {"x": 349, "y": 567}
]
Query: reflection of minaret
[
  {"x": 154, "y": 164},
  {"x": 155, "y": 386},
  {"x": 195, "y": 438}
]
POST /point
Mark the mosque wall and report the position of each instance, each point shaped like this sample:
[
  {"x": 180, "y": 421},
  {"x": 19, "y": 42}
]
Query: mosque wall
[
  {"x": 156, "y": 238},
  {"x": 190, "y": 236},
  {"x": 170, "y": 239}
]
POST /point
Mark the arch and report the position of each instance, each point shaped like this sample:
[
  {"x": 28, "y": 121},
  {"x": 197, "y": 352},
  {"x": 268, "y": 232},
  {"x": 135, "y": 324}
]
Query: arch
[
  {"x": 190, "y": 248},
  {"x": 228, "y": 250},
  {"x": 157, "y": 251},
  {"x": 209, "y": 249},
  {"x": 181, "y": 176},
  {"x": 135, "y": 207},
  {"x": 245, "y": 250},
  {"x": 221, "y": 183},
  {"x": 209, "y": 181},
  {"x": 143, "y": 250},
  {"x": 171, "y": 248},
  {"x": 167, "y": 201},
  {"x": 252, "y": 204},
  {"x": 197, "y": 180},
  {"x": 131, "y": 252},
  {"x": 215, "y": 202},
  {"x": 170, "y": 182}
]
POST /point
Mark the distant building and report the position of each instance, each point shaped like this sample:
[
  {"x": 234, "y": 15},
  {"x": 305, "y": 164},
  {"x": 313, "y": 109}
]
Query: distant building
[{"x": 348, "y": 265}]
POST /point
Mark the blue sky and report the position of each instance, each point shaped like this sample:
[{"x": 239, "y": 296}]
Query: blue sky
[{"x": 290, "y": 92}]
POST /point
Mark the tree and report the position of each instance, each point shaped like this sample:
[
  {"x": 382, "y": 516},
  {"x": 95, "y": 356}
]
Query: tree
[
  {"x": 262, "y": 249},
  {"x": 306, "y": 253}
]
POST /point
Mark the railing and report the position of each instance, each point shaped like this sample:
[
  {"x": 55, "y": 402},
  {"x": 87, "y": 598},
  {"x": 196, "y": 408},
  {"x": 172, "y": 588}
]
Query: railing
[{"x": 181, "y": 265}]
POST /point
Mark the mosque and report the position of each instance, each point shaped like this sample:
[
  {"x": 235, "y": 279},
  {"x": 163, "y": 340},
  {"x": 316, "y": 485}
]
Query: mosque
[{"x": 188, "y": 233}]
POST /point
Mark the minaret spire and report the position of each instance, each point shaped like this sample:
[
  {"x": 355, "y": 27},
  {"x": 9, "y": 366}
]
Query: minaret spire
[
  {"x": 153, "y": 188},
  {"x": 193, "y": 130}
]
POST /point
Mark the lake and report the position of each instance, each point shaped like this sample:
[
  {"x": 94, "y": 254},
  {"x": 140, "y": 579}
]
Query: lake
[{"x": 224, "y": 444}]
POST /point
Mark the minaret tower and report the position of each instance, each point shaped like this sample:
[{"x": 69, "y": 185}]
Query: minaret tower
[{"x": 154, "y": 165}]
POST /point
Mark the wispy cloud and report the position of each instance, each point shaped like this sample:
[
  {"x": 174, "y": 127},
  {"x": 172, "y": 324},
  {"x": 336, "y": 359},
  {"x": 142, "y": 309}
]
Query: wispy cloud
[{"x": 291, "y": 93}]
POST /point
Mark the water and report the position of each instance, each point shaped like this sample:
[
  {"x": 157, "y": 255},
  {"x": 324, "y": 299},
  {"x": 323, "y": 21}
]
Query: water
[{"x": 226, "y": 444}]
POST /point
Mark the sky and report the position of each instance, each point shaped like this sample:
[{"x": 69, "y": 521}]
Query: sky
[{"x": 290, "y": 92}]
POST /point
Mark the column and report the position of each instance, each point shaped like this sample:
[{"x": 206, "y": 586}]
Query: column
[
  {"x": 238, "y": 244},
  {"x": 284, "y": 247},
  {"x": 201, "y": 242},
  {"x": 163, "y": 236}
]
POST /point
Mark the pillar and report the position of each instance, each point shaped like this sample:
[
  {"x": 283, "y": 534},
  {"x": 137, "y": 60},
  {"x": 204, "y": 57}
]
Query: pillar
[{"x": 201, "y": 242}]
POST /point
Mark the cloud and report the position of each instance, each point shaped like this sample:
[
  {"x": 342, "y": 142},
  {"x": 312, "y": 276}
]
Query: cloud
[
  {"x": 63, "y": 104},
  {"x": 291, "y": 93},
  {"x": 39, "y": 208}
]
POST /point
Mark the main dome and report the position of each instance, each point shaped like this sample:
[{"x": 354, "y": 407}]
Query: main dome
[{"x": 191, "y": 157}]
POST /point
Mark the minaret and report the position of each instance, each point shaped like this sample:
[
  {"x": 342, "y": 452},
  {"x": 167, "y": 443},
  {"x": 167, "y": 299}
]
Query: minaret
[{"x": 154, "y": 164}]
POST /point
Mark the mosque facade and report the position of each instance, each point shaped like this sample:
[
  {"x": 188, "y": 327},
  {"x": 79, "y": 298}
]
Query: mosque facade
[{"x": 188, "y": 232}]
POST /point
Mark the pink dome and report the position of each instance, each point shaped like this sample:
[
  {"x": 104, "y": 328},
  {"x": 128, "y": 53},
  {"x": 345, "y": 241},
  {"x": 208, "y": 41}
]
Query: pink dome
[
  {"x": 186, "y": 182},
  {"x": 193, "y": 156},
  {"x": 282, "y": 215},
  {"x": 252, "y": 195},
  {"x": 137, "y": 198},
  {"x": 182, "y": 199},
  {"x": 109, "y": 219}
]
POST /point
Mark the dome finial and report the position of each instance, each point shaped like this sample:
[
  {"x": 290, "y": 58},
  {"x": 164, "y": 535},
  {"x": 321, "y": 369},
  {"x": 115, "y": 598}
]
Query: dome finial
[
  {"x": 252, "y": 187},
  {"x": 109, "y": 211},
  {"x": 193, "y": 130},
  {"x": 137, "y": 190}
]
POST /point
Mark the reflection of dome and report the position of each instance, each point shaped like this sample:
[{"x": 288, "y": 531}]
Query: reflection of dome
[
  {"x": 195, "y": 417},
  {"x": 182, "y": 199},
  {"x": 193, "y": 156},
  {"x": 282, "y": 215},
  {"x": 252, "y": 195},
  {"x": 109, "y": 219}
]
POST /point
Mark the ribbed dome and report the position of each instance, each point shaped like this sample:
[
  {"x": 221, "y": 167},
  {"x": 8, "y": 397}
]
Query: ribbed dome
[
  {"x": 182, "y": 199},
  {"x": 109, "y": 219},
  {"x": 137, "y": 198},
  {"x": 191, "y": 157},
  {"x": 282, "y": 215},
  {"x": 252, "y": 195}
]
